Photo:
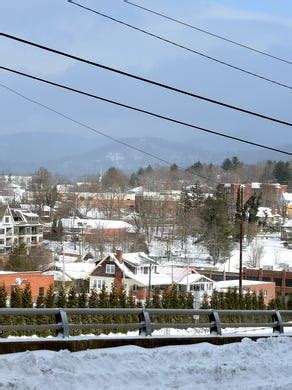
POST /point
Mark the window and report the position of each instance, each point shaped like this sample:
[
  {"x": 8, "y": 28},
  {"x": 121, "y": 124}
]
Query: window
[
  {"x": 266, "y": 279},
  {"x": 288, "y": 282},
  {"x": 1, "y": 242},
  {"x": 278, "y": 282},
  {"x": 6, "y": 219},
  {"x": 98, "y": 283},
  {"x": 41, "y": 290},
  {"x": 2, "y": 231},
  {"x": 110, "y": 269}
]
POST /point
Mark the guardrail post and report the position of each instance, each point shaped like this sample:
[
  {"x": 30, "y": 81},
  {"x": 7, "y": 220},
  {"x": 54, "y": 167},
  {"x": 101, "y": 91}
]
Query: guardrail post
[
  {"x": 215, "y": 323},
  {"x": 62, "y": 318},
  {"x": 279, "y": 326},
  {"x": 144, "y": 319}
]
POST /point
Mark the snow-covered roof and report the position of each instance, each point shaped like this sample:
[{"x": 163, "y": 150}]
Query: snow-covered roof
[
  {"x": 287, "y": 196},
  {"x": 137, "y": 258},
  {"x": 76, "y": 270},
  {"x": 264, "y": 212},
  {"x": 225, "y": 284},
  {"x": 58, "y": 276},
  {"x": 256, "y": 186},
  {"x": 77, "y": 223}
]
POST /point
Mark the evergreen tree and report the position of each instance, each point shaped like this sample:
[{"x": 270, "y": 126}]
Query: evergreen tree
[
  {"x": 134, "y": 180},
  {"x": 3, "y": 295},
  {"x": 156, "y": 300},
  {"x": 50, "y": 297},
  {"x": 205, "y": 302},
  {"x": 27, "y": 296},
  {"x": 19, "y": 260},
  {"x": 131, "y": 301},
  {"x": 93, "y": 301},
  {"x": 54, "y": 230},
  {"x": 16, "y": 297},
  {"x": 261, "y": 301},
  {"x": 122, "y": 298},
  {"x": 173, "y": 167},
  {"x": 60, "y": 230},
  {"x": 41, "y": 300},
  {"x": 72, "y": 297},
  {"x": 82, "y": 298},
  {"x": 61, "y": 297},
  {"x": 113, "y": 297},
  {"x": 140, "y": 172},
  {"x": 227, "y": 165},
  {"x": 282, "y": 172},
  {"x": 103, "y": 298},
  {"x": 149, "y": 169},
  {"x": 216, "y": 234},
  {"x": 214, "y": 302}
]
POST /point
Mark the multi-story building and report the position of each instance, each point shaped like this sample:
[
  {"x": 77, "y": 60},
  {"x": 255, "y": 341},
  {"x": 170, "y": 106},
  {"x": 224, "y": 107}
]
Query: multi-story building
[
  {"x": 17, "y": 226},
  {"x": 271, "y": 193}
]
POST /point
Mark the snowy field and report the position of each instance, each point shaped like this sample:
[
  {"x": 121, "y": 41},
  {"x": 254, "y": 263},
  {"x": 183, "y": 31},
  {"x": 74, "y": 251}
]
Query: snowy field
[{"x": 262, "y": 365}]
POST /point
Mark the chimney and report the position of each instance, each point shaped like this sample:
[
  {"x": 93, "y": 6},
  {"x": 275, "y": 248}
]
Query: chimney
[{"x": 119, "y": 255}]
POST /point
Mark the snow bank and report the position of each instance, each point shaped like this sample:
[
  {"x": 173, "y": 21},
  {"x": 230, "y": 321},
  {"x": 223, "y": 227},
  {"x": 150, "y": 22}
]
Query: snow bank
[{"x": 262, "y": 365}]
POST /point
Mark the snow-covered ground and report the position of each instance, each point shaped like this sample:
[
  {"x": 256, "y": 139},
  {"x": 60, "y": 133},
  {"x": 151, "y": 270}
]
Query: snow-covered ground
[
  {"x": 274, "y": 254},
  {"x": 262, "y": 365}
]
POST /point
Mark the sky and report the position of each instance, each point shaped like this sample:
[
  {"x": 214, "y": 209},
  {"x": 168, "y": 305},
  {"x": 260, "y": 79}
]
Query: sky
[{"x": 266, "y": 25}]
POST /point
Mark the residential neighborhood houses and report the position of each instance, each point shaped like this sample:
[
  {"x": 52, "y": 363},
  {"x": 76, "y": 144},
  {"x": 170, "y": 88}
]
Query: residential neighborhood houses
[{"x": 139, "y": 240}]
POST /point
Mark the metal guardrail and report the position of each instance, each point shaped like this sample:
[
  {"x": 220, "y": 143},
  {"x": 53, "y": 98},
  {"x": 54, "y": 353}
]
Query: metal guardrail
[{"x": 147, "y": 319}]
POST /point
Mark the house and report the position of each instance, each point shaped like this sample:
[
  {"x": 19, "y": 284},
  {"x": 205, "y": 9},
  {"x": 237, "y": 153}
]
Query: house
[
  {"x": 286, "y": 202},
  {"x": 137, "y": 272},
  {"x": 39, "y": 282},
  {"x": 18, "y": 226},
  {"x": 73, "y": 273},
  {"x": 268, "y": 288},
  {"x": 286, "y": 232}
]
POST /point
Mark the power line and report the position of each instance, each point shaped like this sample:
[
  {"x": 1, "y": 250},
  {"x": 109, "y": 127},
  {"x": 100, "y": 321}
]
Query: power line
[
  {"x": 99, "y": 132},
  {"x": 173, "y": 120},
  {"x": 148, "y": 81},
  {"x": 190, "y": 50},
  {"x": 207, "y": 32}
]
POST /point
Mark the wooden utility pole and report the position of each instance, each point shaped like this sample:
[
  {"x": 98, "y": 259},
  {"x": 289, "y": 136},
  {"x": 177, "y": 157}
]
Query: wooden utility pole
[{"x": 240, "y": 238}]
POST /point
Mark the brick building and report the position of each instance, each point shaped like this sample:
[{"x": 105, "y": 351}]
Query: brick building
[
  {"x": 38, "y": 282},
  {"x": 271, "y": 193},
  {"x": 282, "y": 279}
]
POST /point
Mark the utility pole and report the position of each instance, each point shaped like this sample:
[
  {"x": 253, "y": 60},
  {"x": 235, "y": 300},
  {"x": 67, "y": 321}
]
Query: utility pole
[
  {"x": 149, "y": 286},
  {"x": 240, "y": 237}
]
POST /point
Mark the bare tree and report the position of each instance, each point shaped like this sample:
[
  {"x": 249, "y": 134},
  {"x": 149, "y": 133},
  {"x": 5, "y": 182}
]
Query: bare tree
[{"x": 255, "y": 254}]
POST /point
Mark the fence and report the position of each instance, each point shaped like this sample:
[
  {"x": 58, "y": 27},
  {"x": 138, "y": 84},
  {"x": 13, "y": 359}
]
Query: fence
[{"x": 65, "y": 321}]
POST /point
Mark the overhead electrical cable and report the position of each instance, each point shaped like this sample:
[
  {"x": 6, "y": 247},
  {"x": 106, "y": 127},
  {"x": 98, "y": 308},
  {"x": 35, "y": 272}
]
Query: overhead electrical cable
[
  {"x": 148, "y": 81},
  {"x": 162, "y": 15},
  {"x": 169, "y": 119},
  {"x": 101, "y": 133},
  {"x": 190, "y": 50}
]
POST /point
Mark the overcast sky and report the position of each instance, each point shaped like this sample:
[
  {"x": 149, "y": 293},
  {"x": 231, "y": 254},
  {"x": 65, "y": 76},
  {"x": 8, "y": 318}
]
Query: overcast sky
[{"x": 264, "y": 24}]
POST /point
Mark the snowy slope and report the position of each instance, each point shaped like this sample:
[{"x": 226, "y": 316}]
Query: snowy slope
[{"x": 262, "y": 365}]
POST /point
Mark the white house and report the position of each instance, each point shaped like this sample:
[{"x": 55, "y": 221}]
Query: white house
[
  {"x": 18, "y": 226},
  {"x": 136, "y": 272}
]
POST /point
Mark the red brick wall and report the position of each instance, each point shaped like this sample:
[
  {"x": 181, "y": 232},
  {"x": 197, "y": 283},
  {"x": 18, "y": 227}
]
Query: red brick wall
[{"x": 36, "y": 280}]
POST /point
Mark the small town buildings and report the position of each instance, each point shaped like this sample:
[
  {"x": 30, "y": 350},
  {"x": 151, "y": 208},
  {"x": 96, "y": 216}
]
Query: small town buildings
[
  {"x": 286, "y": 232},
  {"x": 267, "y": 288},
  {"x": 282, "y": 279},
  {"x": 139, "y": 275},
  {"x": 39, "y": 282},
  {"x": 19, "y": 226},
  {"x": 286, "y": 202},
  {"x": 271, "y": 193}
]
